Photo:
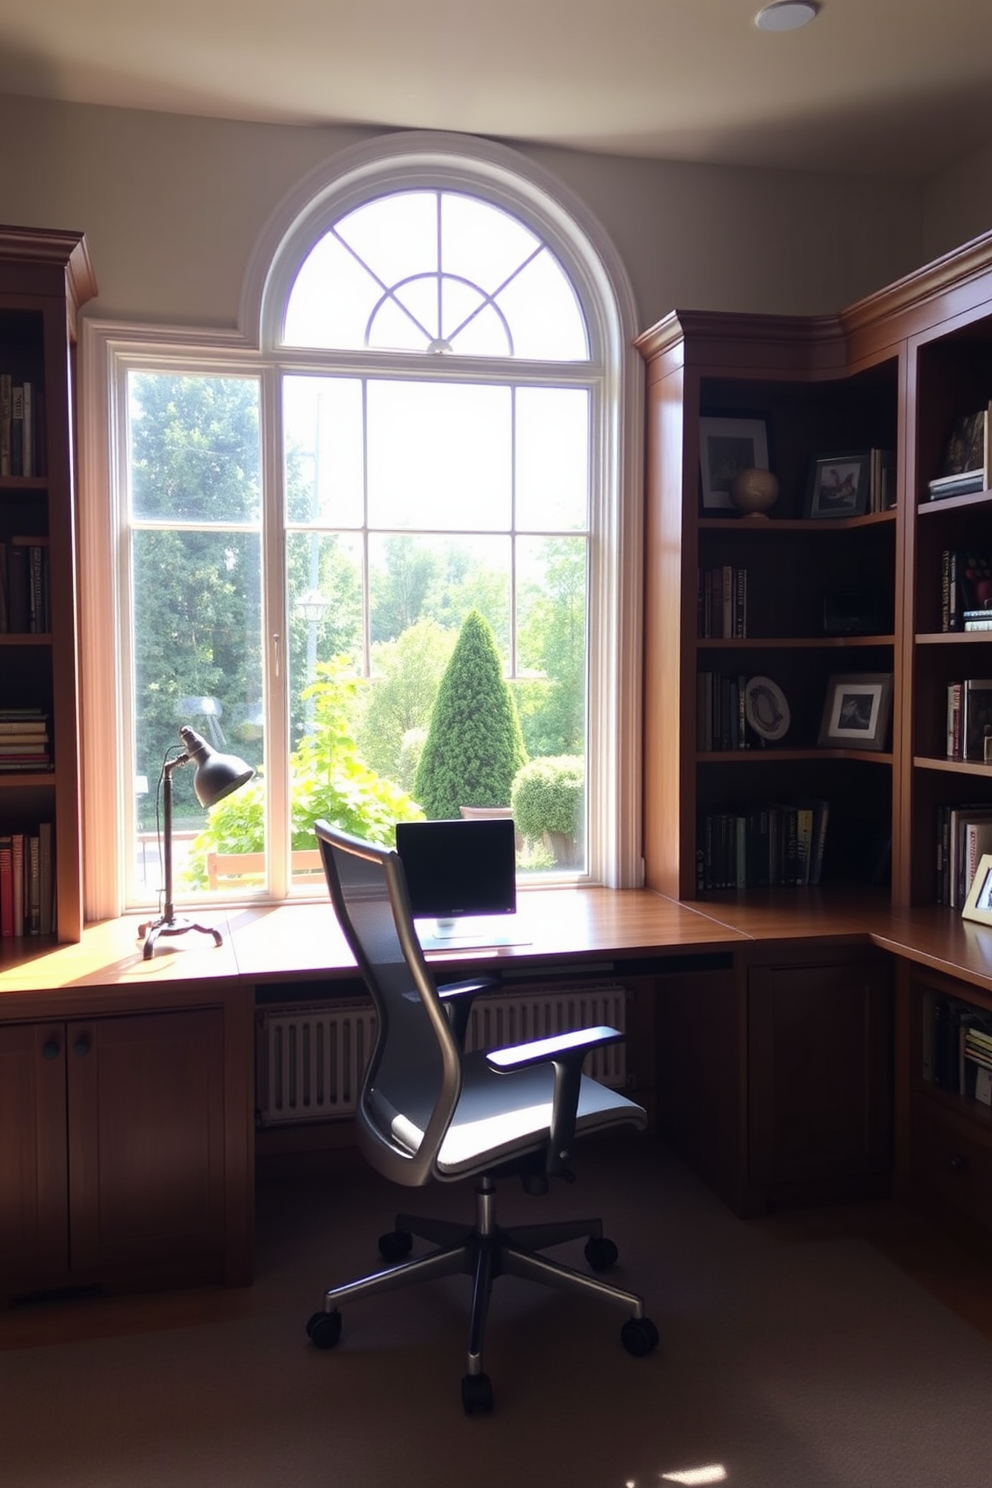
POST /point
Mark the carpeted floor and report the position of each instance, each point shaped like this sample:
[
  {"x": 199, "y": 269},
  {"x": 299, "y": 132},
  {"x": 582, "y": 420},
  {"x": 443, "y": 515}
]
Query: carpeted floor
[{"x": 782, "y": 1365}]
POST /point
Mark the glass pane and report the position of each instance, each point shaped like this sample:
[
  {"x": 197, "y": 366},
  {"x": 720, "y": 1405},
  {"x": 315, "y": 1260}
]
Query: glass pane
[
  {"x": 439, "y": 456},
  {"x": 197, "y": 661},
  {"x": 395, "y": 235},
  {"x": 544, "y": 313},
  {"x": 482, "y": 243},
  {"x": 194, "y": 448},
  {"x": 440, "y": 579},
  {"x": 552, "y": 459},
  {"x": 473, "y": 327},
  {"x": 550, "y": 692},
  {"x": 325, "y": 466},
  {"x": 324, "y": 594},
  {"x": 331, "y": 299}
]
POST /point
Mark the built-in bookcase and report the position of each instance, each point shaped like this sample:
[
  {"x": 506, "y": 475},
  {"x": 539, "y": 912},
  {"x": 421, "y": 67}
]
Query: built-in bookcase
[
  {"x": 819, "y": 603},
  {"x": 44, "y": 278},
  {"x": 893, "y": 373}
]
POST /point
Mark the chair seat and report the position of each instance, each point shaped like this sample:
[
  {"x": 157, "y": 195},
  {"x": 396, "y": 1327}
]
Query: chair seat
[{"x": 502, "y": 1116}]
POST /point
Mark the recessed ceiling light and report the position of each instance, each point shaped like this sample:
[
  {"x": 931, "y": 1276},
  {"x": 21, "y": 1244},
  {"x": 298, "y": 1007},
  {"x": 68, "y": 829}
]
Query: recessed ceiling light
[{"x": 786, "y": 15}]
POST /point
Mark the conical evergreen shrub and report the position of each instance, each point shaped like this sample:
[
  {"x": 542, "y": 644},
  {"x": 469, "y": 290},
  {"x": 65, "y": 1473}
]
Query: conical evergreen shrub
[{"x": 474, "y": 745}]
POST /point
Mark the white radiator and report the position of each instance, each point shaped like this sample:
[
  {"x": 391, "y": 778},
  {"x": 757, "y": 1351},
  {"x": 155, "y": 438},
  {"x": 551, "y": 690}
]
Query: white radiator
[{"x": 309, "y": 1061}]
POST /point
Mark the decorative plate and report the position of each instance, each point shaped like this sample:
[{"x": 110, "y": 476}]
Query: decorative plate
[{"x": 766, "y": 708}]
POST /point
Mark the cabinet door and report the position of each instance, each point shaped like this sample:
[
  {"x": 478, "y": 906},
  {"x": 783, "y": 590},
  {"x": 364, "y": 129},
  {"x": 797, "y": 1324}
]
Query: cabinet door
[
  {"x": 34, "y": 1226},
  {"x": 819, "y": 1079},
  {"x": 146, "y": 1140}
]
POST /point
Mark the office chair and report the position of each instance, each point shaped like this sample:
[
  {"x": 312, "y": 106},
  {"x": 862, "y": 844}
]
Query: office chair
[{"x": 430, "y": 1113}]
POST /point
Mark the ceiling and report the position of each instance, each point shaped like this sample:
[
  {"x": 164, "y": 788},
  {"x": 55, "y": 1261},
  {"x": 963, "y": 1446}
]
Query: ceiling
[{"x": 894, "y": 87}]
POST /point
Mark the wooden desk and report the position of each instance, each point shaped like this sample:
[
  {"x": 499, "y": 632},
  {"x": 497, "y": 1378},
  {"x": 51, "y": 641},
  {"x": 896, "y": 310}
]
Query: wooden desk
[{"x": 130, "y": 1083}]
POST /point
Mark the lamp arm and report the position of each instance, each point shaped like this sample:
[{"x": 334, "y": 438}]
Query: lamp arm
[{"x": 169, "y": 909}]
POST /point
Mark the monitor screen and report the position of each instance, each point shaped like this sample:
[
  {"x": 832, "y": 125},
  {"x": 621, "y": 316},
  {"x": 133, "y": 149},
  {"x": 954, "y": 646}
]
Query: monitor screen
[{"x": 456, "y": 868}]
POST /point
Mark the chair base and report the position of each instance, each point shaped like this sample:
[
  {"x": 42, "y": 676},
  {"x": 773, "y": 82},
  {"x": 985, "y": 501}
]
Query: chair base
[{"x": 485, "y": 1251}]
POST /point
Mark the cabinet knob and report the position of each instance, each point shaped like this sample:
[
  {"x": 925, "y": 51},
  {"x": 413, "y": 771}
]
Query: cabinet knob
[
  {"x": 51, "y": 1049},
  {"x": 957, "y": 1162},
  {"x": 82, "y": 1046}
]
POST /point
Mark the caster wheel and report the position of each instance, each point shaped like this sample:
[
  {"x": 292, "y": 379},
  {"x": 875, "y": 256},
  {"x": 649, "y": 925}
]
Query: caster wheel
[
  {"x": 395, "y": 1246},
  {"x": 639, "y": 1336},
  {"x": 601, "y": 1254},
  {"x": 477, "y": 1394},
  {"x": 324, "y": 1329}
]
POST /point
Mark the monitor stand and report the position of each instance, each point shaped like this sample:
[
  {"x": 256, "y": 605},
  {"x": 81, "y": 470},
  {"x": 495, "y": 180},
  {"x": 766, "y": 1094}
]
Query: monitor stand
[{"x": 471, "y": 933}]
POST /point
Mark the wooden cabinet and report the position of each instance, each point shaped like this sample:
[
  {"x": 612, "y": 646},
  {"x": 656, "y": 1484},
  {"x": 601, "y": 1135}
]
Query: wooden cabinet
[
  {"x": 116, "y": 1169},
  {"x": 950, "y": 1102},
  {"x": 819, "y": 1075},
  {"x": 44, "y": 278},
  {"x": 774, "y": 1074}
]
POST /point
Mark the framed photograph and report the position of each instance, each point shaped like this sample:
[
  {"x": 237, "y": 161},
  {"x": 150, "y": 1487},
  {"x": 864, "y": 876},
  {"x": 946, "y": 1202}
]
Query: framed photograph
[
  {"x": 838, "y": 485},
  {"x": 978, "y": 905},
  {"x": 726, "y": 447},
  {"x": 857, "y": 711}
]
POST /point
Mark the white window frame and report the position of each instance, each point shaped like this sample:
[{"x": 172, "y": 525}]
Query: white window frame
[{"x": 108, "y": 349}]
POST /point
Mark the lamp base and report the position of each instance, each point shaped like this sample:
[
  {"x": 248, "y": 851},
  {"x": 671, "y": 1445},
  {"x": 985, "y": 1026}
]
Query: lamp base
[{"x": 172, "y": 925}]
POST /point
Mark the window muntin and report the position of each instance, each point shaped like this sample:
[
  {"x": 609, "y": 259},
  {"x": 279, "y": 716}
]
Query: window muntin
[{"x": 435, "y": 271}]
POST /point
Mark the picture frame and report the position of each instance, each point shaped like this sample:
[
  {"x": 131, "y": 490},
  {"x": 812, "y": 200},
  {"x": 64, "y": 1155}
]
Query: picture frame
[
  {"x": 726, "y": 447},
  {"x": 839, "y": 485},
  {"x": 856, "y": 711},
  {"x": 978, "y": 905}
]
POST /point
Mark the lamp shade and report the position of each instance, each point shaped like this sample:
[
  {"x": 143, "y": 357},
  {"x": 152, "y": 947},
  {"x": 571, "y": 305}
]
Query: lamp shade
[{"x": 217, "y": 775}]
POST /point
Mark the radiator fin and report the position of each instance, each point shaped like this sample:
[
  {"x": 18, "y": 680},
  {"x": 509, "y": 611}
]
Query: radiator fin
[{"x": 310, "y": 1060}]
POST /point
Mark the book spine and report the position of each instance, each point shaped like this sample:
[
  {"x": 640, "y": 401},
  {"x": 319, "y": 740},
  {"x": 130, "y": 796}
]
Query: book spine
[
  {"x": 954, "y": 720},
  {"x": 6, "y": 886},
  {"x": 33, "y": 912},
  {"x": 29, "y": 461},
  {"x": 740, "y": 604},
  {"x": 17, "y": 429},
  {"x": 17, "y": 881},
  {"x": 46, "y": 880}
]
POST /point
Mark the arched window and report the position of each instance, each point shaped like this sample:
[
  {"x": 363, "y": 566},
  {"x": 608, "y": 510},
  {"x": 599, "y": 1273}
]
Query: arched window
[{"x": 425, "y": 448}]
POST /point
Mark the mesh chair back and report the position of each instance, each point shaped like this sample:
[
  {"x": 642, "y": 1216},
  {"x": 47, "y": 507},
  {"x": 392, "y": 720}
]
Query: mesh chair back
[{"x": 413, "y": 1079}]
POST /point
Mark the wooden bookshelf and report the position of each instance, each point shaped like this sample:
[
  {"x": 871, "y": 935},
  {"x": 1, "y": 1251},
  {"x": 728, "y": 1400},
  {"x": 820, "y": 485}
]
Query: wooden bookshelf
[{"x": 44, "y": 279}]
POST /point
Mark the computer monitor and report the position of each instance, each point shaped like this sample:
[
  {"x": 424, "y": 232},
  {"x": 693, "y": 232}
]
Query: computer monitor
[{"x": 459, "y": 868}]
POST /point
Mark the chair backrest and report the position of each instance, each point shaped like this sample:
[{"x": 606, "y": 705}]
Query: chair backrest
[{"x": 413, "y": 1079}]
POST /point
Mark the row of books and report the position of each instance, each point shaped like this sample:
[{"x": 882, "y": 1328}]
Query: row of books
[
  {"x": 957, "y": 1047},
  {"x": 770, "y": 845},
  {"x": 969, "y": 719},
  {"x": 965, "y": 587},
  {"x": 967, "y": 461},
  {"x": 721, "y": 602},
  {"x": 964, "y": 836},
  {"x": 25, "y": 586},
  {"x": 27, "y": 905},
  {"x": 25, "y": 743},
  {"x": 881, "y": 480},
  {"x": 721, "y": 721},
  {"x": 18, "y": 427}
]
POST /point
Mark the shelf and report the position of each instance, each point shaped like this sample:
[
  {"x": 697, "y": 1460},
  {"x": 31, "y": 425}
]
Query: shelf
[
  {"x": 961, "y": 1105},
  {"x": 954, "y": 637},
  {"x": 806, "y": 525},
  {"x": 764, "y": 756},
  {"x": 954, "y": 503},
  {"x": 21, "y": 778},
  {"x": 792, "y": 643},
  {"x": 25, "y": 638},
  {"x": 952, "y": 766}
]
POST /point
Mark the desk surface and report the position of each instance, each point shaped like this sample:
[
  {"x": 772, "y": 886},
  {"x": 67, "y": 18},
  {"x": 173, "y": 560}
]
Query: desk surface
[{"x": 557, "y": 927}]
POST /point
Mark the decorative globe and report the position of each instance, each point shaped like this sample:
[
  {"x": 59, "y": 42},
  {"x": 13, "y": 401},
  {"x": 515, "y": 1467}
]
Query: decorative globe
[{"x": 754, "y": 491}]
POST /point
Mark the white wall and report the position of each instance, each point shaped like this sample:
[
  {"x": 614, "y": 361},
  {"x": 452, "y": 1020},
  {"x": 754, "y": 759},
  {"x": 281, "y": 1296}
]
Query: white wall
[
  {"x": 172, "y": 206},
  {"x": 957, "y": 204}
]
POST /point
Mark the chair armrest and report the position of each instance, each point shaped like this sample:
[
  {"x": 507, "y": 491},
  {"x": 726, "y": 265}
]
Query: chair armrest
[
  {"x": 565, "y": 1051},
  {"x": 457, "y": 999}
]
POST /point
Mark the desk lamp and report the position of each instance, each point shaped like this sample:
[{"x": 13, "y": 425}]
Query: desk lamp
[{"x": 216, "y": 776}]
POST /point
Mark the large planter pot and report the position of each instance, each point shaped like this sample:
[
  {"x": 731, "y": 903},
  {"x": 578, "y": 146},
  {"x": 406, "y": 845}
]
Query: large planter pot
[{"x": 566, "y": 849}]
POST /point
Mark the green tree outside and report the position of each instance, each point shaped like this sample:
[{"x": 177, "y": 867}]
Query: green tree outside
[{"x": 474, "y": 745}]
